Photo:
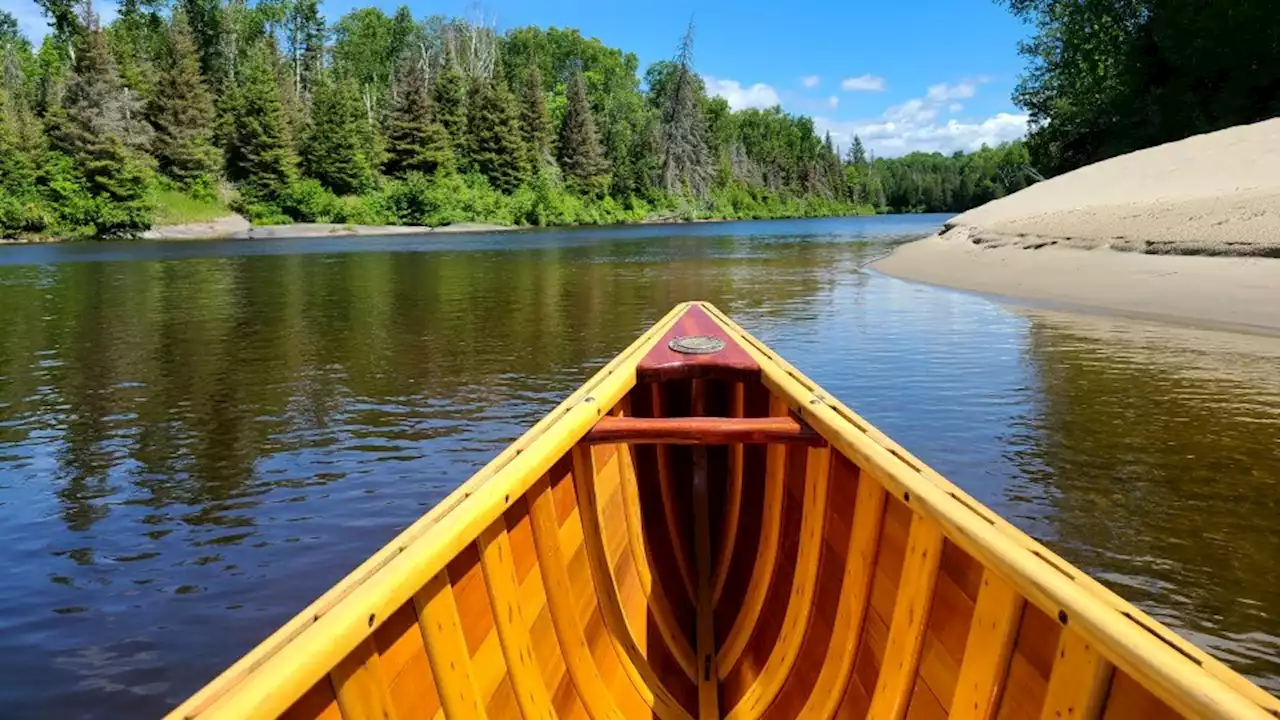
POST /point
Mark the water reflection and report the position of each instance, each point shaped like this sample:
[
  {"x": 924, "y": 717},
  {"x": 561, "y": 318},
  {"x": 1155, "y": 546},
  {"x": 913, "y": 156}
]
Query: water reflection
[{"x": 197, "y": 439}]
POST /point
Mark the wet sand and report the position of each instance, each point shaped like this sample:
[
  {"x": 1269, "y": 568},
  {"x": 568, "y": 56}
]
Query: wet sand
[{"x": 1227, "y": 292}]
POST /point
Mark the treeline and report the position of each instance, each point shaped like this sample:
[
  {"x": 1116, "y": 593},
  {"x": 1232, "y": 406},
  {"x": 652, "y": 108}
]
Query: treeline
[
  {"x": 376, "y": 119},
  {"x": 1107, "y": 77},
  {"x": 933, "y": 182}
]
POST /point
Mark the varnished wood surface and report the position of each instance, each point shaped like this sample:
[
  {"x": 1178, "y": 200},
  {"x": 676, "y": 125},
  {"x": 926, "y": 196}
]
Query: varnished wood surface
[
  {"x": 766, "y": 571},
  {"x": 662, "y": 363},
  {"x": 702, "y": 431}
]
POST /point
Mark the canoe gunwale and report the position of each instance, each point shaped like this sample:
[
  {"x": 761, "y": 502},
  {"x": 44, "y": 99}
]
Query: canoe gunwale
[
  {"x": 357, "y": 609},
  {"x": 1188, "y": 679}
]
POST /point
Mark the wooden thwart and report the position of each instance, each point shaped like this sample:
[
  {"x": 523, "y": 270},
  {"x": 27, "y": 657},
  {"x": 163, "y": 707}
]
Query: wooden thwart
[{"x": 702, "y": 431}]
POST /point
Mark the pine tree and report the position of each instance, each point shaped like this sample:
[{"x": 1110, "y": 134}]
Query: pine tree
[
  {"x": 449, "y": 103},
  {"x": 415, "y": 141},
  {"x": 182, "y": 114},
  {"x": 535, "y": 122},
  {"x": 686, "y": 163},
  {"x": 334, "y": 147},
  {"x": 100, "y": 128},
  {"x": 581, "y": 157},
  {"x": 495, "y": 147},
  {"x": 857, "y": 154},
  {"x": 259, "y": 157},
  {"x": 832, "y": 168}
]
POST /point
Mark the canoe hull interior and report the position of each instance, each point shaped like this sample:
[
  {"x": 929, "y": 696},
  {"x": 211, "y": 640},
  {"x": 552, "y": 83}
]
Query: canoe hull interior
[{"x": 797, "y": 564}]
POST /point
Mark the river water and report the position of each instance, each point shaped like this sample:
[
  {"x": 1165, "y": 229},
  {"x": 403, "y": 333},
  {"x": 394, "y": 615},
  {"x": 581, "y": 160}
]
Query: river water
[{"x": 196, "y": 439}]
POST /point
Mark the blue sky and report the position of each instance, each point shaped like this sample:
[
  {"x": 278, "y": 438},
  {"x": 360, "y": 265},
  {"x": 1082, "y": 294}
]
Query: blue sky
[{"x": 907, "y": 75}]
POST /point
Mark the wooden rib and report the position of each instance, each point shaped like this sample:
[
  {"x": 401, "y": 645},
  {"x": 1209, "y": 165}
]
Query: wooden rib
[
  {"x": 910, "y": 617},
  {"x": 1080, "y": 679},
  {"x": 735, "y": 641},
  {"x": 782, "y": 658},
  {"x": 708, "y": 687},
  {"x": 361, "y": 688},
  {"x": 987, "y": 651},
  {"x": 855, "y": 598},
  {"x": 500, "y": 579},
  {"x": 675, "y": 528},
  {"x": 617, "y": 627},
  {"x": 650, "y": 584},
  {"x": 563, "y": 608},
  {"x": 701, "y": 431},
  {"x": 447, "y": 649},
  {"x": 732, "y": 499}
]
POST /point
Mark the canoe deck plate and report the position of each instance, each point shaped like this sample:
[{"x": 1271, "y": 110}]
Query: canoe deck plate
[{"x": 696, "y": 344}]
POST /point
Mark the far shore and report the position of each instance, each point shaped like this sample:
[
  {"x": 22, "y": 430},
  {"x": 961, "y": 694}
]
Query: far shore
[{"x": 1233, "y": 293}]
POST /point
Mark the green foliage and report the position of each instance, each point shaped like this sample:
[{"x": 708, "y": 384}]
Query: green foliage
[
  {"x": 932, "y": 182},
  {"x": 1107, "y": 77},
  {"x": 581, "y": 158},
  {"x": 535, "y": 122},
  {"x": 182, "y": 113},
  {"x": 335, "y": 148},
  {"x": 174, "y": 206},
  {"x": 449, "y": 100},
  {"x": 495, "y": 148},
  {"x": 259, "y": 157},
  {"x": 447, "y": 198},
  {"x": 415, "y": 141},
  {"x": 686, "y": 163}
]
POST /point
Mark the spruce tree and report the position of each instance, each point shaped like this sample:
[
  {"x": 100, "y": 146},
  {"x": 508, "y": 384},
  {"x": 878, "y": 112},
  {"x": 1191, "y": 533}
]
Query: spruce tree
[
  {"x": 686, "y": 163},
  {"x": 99, "y": 127},
  {"x": 415, "y": 141},
  {"x": 182, "y": 114},
  {"x": 535, "y": 121},
  {"x": 259, "y": 158},
  {"x": 857, "y": 154},
  {"x": 495, "y": 148},
  {"x": 581, "y": 158},
  {"x": 334, "y": 147},
  {"x": 449, "y": 103}
]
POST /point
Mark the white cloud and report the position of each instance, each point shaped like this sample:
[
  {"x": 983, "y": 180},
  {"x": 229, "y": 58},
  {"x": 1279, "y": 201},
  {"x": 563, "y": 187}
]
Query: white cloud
[
  {"x": 758, "y": 95},
  {"x": 943, "y": 92},
  {"x": 833, "y": 102},
  {"x": 810, "y": 81},
  {"x": 914, "y": 125},
  {"x": 865, "y": 83}
]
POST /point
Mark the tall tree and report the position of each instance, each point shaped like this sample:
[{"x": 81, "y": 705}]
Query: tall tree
[
  {"x": 535, "y": 122},
  {"x": 495, "y": 147},
  {"x": 334, "y": 149},
  {"x": 686, "y": 163},
  {"x": 100, "y": 128},
  {"x": 181, "y": 112},
  {"x": 304, "y": 31},
  {"x": 259, "y": 156},
  {"x": 449, "y": 98},
  {"x": 857, "y": 154},
  {"x": 581, "y": 157},
  {"x": 415, "y": 141}
]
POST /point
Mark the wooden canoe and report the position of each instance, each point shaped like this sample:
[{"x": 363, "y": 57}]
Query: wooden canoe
[{"x": 705, "y": 535}]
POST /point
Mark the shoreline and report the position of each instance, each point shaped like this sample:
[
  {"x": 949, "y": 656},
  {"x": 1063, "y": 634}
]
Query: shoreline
[{"x": 1240, "y": 294}]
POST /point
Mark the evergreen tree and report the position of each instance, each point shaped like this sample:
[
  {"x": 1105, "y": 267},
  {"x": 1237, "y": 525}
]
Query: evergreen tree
[
  {"x": 832, "y": 168},
  {"x": 496, "y": 149},
  {"x": 581, "y": 157},
  {"x": 535, "y": 122},
  {"x": 686, "y": 163},
  {"x": 99, "y": 128},
  {"x": 304, "y": 31},
  {"x": 334, "y": 147},
  {"x": 415, "y": 141},
  {"x": 182, "y": 114},
  {"x": 857, "y": 154},
  {"x": 449, "y": 103},
  {"x": 259, "y": 156}
]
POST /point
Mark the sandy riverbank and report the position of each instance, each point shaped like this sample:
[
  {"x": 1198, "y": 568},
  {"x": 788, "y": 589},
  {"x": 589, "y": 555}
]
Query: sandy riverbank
[{"x": 1129, "y": 235}]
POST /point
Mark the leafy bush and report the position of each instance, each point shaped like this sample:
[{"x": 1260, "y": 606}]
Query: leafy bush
[
  {"x": 308, "y": 201},
  {"x": 175, "y": 206},
  {"x": 446, "y": 198},
  {"x": 372, "y": 208}
]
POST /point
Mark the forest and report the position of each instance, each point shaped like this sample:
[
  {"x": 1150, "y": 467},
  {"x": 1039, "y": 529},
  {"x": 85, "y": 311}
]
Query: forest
[
  {"x": 1107, "y": 77},
  {"x": 181, "y": 111}
]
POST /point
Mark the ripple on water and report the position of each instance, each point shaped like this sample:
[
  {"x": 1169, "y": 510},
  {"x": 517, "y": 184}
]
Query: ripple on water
[{"x": 178, "y": 477}]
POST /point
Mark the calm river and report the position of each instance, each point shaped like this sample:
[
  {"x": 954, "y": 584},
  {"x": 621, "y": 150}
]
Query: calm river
[{"x": 196, "y": 439}]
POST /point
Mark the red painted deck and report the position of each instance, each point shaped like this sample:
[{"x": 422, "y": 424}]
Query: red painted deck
[{"x": 663, "y": 363}]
